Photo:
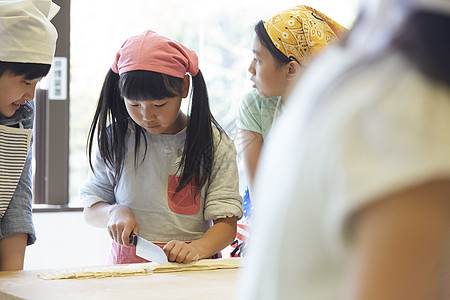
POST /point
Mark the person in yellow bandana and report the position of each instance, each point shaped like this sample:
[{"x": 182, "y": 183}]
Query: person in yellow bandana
[
  {"x": 27, "y": 46},
  {"x": 283, "y": 46}
]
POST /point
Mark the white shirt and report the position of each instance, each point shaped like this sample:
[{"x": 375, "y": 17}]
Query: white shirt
[{"x": 377, "y": 129}]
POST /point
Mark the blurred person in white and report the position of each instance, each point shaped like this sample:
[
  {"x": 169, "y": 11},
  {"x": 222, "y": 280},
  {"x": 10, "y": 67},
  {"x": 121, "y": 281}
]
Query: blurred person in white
[{"x": 361, "y": 208}]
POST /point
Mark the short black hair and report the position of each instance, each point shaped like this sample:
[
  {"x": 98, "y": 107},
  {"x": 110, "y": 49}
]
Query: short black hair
[
  {"x": 28, "y": 70},
  {"x": 279, "y": 57}
]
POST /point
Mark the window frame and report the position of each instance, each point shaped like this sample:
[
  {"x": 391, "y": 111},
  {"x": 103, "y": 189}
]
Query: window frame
[{"x": 51, "y": 134}]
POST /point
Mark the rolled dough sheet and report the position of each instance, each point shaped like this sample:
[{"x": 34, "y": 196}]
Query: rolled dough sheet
[
  {"x": 98, "y": 272},
  {"x": 139, "y": 269},
  {"x": 201, "y": 265}
]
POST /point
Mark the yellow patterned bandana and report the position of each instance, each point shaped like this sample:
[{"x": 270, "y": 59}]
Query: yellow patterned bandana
[{"x": 302, "y": 32}]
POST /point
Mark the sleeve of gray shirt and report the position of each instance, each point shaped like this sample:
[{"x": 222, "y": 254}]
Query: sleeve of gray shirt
[
  {"x": 100, "y": 184},
  {"x": 222, "y": 196}
]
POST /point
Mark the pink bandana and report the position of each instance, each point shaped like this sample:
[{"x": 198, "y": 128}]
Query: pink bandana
[{"x": 151, "y": 51}]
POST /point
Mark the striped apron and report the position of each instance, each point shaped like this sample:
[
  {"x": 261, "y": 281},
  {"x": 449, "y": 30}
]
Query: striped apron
[{"x": 14, "y": 146}]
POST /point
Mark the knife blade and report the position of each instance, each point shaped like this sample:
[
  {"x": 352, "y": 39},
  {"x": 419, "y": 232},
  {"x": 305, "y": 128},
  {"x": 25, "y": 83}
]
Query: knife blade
[{"x": 148, "y": 250}]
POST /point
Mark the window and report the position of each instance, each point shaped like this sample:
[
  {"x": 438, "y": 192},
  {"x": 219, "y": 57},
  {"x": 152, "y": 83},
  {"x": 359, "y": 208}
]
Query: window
[{"x": 220, "y": 32}]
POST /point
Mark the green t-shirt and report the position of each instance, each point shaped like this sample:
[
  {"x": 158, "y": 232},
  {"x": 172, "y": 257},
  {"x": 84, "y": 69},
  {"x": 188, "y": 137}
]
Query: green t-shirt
[{"x": 256, "y": 113}]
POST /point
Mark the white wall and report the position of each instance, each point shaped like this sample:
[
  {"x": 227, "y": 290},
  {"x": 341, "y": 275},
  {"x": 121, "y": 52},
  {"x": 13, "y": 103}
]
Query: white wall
[{"x": 65, "y": 240}]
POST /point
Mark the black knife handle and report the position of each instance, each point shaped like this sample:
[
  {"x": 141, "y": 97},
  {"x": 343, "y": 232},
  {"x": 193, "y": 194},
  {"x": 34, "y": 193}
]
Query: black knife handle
[{"x": 133, "y": 239}]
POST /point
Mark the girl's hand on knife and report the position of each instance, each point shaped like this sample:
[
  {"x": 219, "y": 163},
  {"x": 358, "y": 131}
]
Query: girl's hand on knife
[{"x": 121, "y": 224}]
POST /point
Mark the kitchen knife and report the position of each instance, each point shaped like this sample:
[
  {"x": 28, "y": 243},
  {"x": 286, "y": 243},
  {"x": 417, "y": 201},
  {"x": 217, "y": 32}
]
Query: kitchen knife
[{"x": 148, "y": 250}]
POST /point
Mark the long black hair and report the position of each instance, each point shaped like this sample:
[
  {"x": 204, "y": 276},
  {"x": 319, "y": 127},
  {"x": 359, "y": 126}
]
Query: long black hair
[
  {"x": 111, "y": 121},
  {"x": 425, "y": 40},
  {"x": 28, "y": 70}
]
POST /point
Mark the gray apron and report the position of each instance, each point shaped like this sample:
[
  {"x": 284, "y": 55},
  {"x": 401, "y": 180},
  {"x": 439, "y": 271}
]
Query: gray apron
[{"x": 14, "y": 146}]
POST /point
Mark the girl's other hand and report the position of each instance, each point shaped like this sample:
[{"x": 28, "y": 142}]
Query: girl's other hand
[
  {"x": 121, "y": 224},
  {"x": 181, "y": 252}
]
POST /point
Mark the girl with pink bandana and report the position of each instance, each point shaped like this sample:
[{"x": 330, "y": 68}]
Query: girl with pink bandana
[{"x": 168, "y": 176}]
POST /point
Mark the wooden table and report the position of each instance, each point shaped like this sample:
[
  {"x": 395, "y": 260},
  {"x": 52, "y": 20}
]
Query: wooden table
[{"x": 212, "y": 284}]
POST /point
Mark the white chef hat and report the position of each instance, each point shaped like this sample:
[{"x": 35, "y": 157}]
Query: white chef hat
[{"x": 27, "y": 35}]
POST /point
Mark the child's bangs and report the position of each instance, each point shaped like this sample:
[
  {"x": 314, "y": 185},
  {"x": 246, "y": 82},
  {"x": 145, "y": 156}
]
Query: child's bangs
[{"x": 147, "y": 85}]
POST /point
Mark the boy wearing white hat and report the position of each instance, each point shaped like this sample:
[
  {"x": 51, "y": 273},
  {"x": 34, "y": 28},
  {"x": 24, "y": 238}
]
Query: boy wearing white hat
[{"x": 27, "y": 47}]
